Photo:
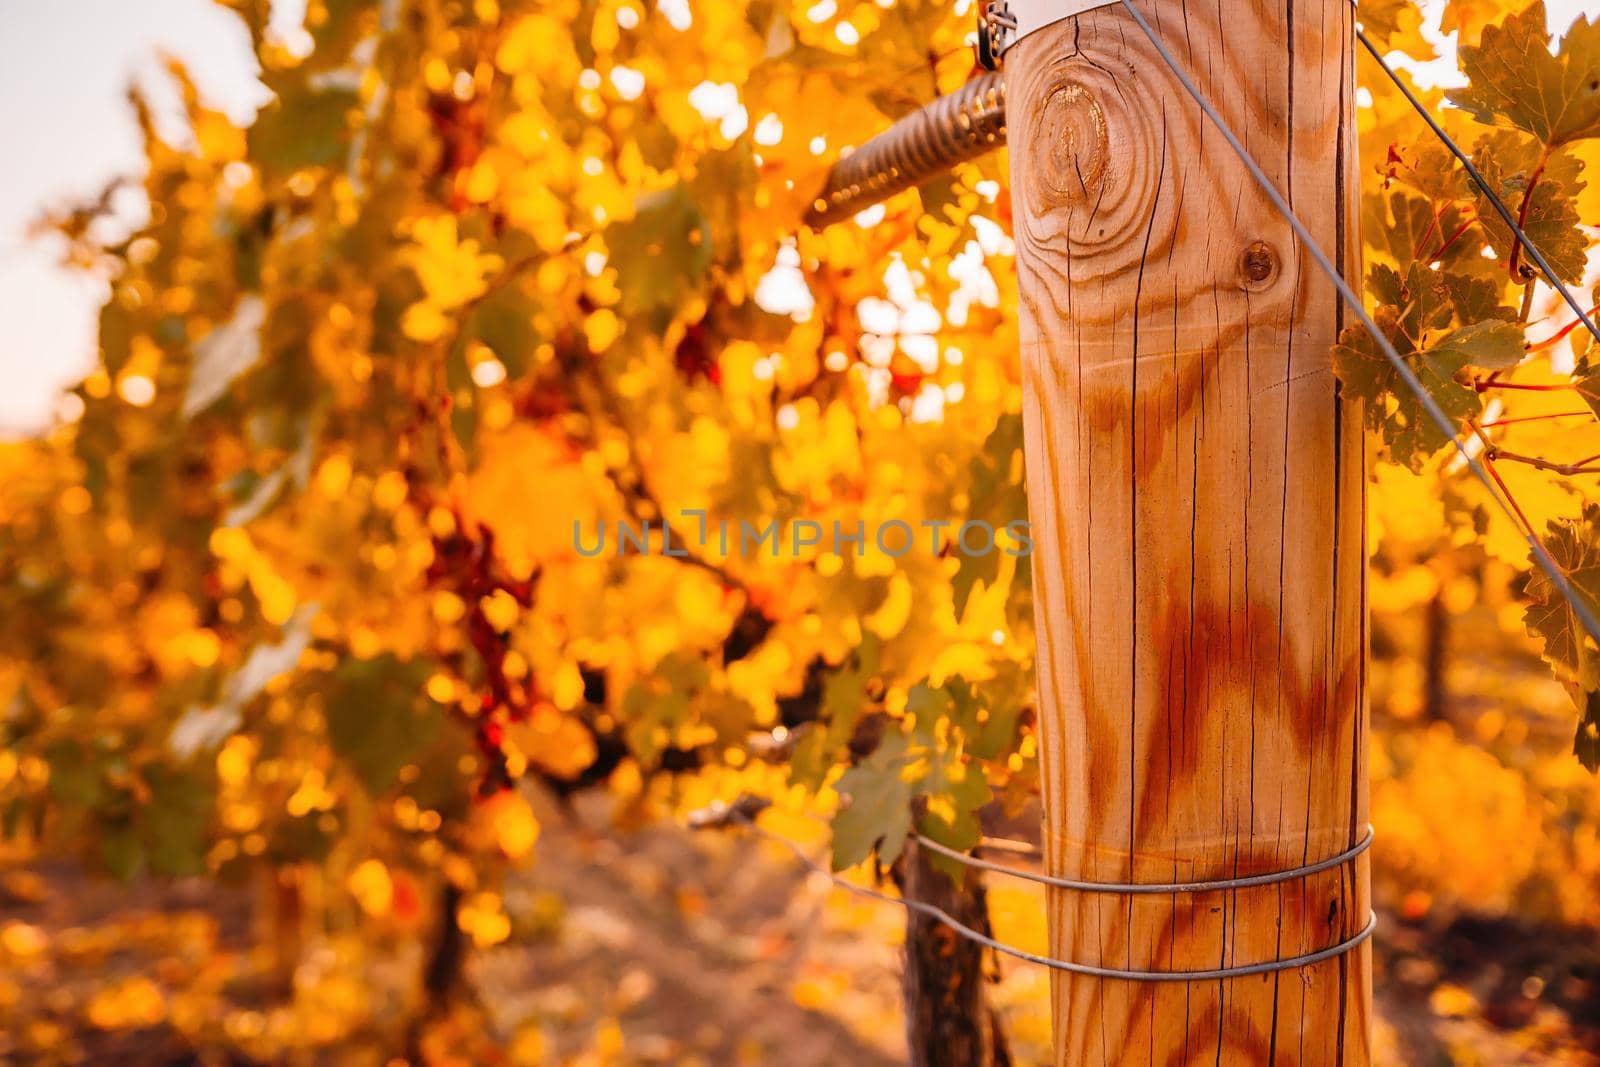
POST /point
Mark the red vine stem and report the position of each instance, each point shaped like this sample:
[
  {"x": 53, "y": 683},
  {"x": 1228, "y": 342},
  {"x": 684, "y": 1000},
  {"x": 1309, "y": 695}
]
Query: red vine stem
[
  {"x": 1416, "y": 250},
  {"x": 1489, "y": 454},
  {"x": 1483, "y": 384},
  {"x": 1559, "y": 334},
  {"x": 1514, "y": 265},
  {"x": 1466, "y": 224},
  {"x": 1534, "y": 418}
]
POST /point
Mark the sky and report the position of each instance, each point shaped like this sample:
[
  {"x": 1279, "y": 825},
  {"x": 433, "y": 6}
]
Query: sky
[{"x": 67, "y": 130}]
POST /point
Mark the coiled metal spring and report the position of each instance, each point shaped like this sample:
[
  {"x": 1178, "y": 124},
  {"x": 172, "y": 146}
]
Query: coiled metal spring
[{"x": 921, "y": 146}]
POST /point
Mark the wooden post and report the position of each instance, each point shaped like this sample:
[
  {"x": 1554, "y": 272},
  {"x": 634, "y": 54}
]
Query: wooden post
[{"x": 1196, "y": 489}]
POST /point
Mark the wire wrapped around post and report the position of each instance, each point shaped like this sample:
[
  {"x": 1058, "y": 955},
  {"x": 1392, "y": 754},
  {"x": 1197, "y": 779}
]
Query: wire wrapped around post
[{"x": 953, "y": 129}]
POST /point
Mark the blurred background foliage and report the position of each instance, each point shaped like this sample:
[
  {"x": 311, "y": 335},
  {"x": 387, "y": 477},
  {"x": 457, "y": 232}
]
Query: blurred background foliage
[{"x": 324, "y": 744}]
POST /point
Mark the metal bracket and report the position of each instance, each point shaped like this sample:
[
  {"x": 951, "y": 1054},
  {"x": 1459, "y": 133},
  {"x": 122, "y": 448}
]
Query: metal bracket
[
  {"x": 1002, "y": 23},
  {"x": 995, "y": 26}
]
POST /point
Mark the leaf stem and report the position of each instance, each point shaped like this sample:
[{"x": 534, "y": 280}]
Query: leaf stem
[
  {"x": 1535, "y": 418},
  {"x": 1561, "y": 333},
  {"x": 1514, "y": 264},
  {"x": 1484, "y": 384}
]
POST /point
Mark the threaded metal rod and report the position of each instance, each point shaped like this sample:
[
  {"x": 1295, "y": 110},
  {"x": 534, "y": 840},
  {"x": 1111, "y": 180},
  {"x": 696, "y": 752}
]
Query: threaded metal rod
[{"x": 921, "y": 146}]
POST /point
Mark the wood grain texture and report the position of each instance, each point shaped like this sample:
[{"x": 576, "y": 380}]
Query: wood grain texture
[{"x": 1196, "y": 487}]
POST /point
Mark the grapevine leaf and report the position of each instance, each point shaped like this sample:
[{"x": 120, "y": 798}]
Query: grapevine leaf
[
  {"x": 1586, "y": 745},
  {"x": 205, "y": 728},
  {"x": 503, "y": 320},
  {"x": 1589, "y": 388},
  {"x": 340, "y": 31},
  {"x": 1477, "y": 299},
  {"x": 173, "y": 822},
  {"x": 1489, "y": 344},
  {"x": 1431, "y": 170},
  {"x": 1409, "y": 228},
  {"x": 1395, "y": 24},
  {"x": 656, "y": 706},
  {"x": 661, "y": 253},
  {"x": 1467, "y": 18},
  {"x": 1510, "y": 164},
  {"x": 303, "y": 127},
  {"x": 954, "y": 785},
  {"x": 879, "y": 812},
  {"x": 74, "y": 777},
  {"x": 377, "y": 719},
  {"x": 1412, "y": 315},
  {"x": 844, "y": 695},
  {"x": 998, "y": 498},
  {"x": 1517, "y": 81},
  {"x": 1574, "y": 544}
]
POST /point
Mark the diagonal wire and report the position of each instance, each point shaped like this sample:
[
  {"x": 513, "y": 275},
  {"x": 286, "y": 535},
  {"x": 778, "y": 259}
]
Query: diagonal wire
[
  {"x": 1556, "y": 575},
  {"x": 1482, "y": 183},
  {"x": 1090, "y": 970},
  {"x": 1214, "y": 885}
]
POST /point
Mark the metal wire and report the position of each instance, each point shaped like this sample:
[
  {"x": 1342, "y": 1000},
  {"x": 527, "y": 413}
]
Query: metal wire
[
  {"x": 971, "y": 121},
  {"x": 937, "y": 137},
  {"x": 1071, "y": 967},
  {"x": 1557, "y": 577},
  {"x": 1482, "y": 183},
  {"x": 953, "y": 129},
  {"x": 1153, "y": 888}
]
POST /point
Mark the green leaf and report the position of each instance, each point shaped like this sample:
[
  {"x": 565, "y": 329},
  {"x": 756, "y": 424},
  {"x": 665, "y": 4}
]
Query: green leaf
[
  {"x": 345, "y": 24},
  {"x": 1586, "y": 744},
  {"x": 998, "y": 497},
  {"x": 173, "y": 823},
  {"x": 844, "y": 695},
  {"x": 1511, "y": 165},
  {"x": 503, "y": 320},
  {"x": 75, "y": 779},
  {"x": 1415, "y": 315},
  {"x": 303, "y": 127},
  {"x": 1478, "y": 299},
  {"x": 204, "y": 729},
  {"x": 1516, "y": 81},
  {"x": 1489, "y": 344},
  {"x": 1404, "y": 226},
  {"x": 879, "y": 813},
  {"x": 661, "y": 254},
  {"x": 1589, "y": 388},
  {"x": 121, "y": 854},
  {"x": 945, "y": 721},
  {"x": 1574, "y": 544},
  {"x": 656, "y": 706},
  {"x": 378, "y": 718}
]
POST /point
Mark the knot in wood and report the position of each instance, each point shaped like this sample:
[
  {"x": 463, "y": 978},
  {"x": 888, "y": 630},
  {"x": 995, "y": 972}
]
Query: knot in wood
[
  {"x": 1074, "y": 131},
  {"x": 1258, "y": 265}
]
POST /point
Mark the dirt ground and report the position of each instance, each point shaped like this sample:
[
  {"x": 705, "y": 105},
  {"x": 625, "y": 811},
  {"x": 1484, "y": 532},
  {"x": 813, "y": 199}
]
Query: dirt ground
[{"x": 665, "y": 947}]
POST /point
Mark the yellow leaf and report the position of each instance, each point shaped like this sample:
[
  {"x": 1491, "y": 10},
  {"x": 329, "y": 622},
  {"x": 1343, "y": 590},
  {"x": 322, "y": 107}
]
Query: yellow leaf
[
  {"x": 558, "y": 744},
  {"x": 372, "y": 887},
  {"x": 483, "y": 919},
  {"x": 130, "y": 1004},
  {"x": 514, "y": 826},
  {"x": 894, "y": 612},
  {"x": 500, "y": 609},
  {"x": 22, "y": 940},
  {"x": 424, "y": 322},
  {"x": 566, "y": 686},
  {"x": 602, "y": 328}
]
